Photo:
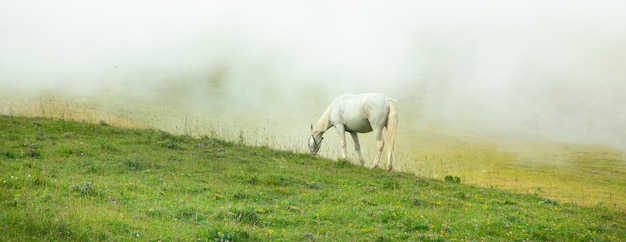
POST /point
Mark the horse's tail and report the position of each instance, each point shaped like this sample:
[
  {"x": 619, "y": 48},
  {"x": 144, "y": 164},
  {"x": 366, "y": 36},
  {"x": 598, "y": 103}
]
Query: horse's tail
[{"x": 392, "y": 131}]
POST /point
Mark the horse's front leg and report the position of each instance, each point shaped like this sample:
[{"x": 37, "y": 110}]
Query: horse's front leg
[
  {"x": 357, "y": 146},
  {"x": 342, "y": 139}
]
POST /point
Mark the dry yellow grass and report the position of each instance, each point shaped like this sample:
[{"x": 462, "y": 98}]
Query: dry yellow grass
[
  {"x": 589, "y": 175},
  {"x": 76, "y": 109}
]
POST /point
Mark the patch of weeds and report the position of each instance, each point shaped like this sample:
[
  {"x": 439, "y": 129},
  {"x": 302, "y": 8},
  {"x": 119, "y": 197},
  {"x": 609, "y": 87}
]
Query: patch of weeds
[
  {"x": 13, "y": 182},
  {"x": 212, "y": 142},
  {"x": 413, "y": 225},
  {"x": 460, "y": 195},
  {"x": 37, "y": 181},
  {"x": 283, "y": 222},
  {"x": 343, "y": 163},
  {"x": 452, "y": 179},
  {"x": 84, "y": 188},
  {"x": 48, "y": 197},
  {"x": 241, "y": 140},
  {"x": 189, "y": 213},
  {"x": 252, "y": 180},
  {"x": 504, "y": 202},
  {"x": 136, "y": 165},
  {"x": 430, "y": 237},
  {"x": 511, "y": 217},
  {"x": 7, "y": 154},
  {"x": 172, "y": 146},
  {"x": 538, "y": 192},
  {"x": 36, "y": 122},
  {"x": 509, "y": 202},
  {"x": 540, "y": 232},
  {"x": 312, "y": 185},
  {"x": 370, "y": 189},
  {"x": 220, "y": 234},
  {"x": 367, "y": 202},
  {"x": 32, "y": 150},
  {"x": 245, "y": 215},
  {"x": 12, "y": 202},
  {"x": 157, "y": 213},
  {"x": 12, "y": 137},
  {"x": 391, "y": 184},
  {"x": 44, "y": 136},
  {"x": 548, "y": 201},
  {"x": 596, "y": 228},
  {"x": 241, "y": 195},
  {"x": 276, "y": 180},
  {"x": 108, "y": 147},
  {"x": 218, "y": 196},
  {"x": 65, "y": 151},
  {"x": 174, "y": 142},
  {"x": 174, "y": 138},
  {"x": 198, "y": 190},
  {"x": 418, "y": 202},
  {"x": 91, "y": 166}
]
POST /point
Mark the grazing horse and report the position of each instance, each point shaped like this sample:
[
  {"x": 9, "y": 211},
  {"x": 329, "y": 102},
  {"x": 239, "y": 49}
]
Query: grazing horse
[{"x": 361, "y": 113}]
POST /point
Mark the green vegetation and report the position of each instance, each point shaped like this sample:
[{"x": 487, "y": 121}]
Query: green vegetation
[
  {"x": 65, "y": 180},
  {"x": 587, "y": 175}
]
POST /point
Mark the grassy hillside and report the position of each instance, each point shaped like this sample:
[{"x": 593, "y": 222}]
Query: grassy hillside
[
  {"x": 588, "y": 175},
  {"x": 63, "y": 180}
]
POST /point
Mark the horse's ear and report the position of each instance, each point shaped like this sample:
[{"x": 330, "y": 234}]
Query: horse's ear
[{"x": 311, "y": 127}]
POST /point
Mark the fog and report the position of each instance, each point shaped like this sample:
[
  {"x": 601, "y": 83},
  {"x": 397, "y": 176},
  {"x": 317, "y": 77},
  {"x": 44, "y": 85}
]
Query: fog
[{"x": 549, "y": 69}]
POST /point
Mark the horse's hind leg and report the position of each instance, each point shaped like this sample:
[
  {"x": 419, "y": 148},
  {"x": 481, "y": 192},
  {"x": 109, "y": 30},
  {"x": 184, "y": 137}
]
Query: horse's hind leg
[
  {"x": 380, "y": 143},
  {"x": 357, "y": 146},
  {"x": 390, "y": 159},
  {"x": 390, "y": 149}
]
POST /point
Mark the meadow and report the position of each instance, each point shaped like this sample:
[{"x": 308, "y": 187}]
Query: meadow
[
  {"x": 82, "y": 181},
  {"x": 584, "y": 174}
]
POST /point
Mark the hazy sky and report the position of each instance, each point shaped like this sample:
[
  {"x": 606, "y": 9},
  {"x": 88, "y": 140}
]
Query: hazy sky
[{"x": 554, "y": 66}]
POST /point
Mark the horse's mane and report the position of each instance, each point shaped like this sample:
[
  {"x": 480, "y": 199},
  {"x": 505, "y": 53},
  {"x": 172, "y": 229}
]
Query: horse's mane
[{"x": 323, "y": 123}]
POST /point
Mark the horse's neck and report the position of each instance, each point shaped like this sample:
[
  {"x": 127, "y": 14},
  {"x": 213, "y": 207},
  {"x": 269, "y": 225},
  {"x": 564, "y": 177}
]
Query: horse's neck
[{"x": 323, "y": 123}]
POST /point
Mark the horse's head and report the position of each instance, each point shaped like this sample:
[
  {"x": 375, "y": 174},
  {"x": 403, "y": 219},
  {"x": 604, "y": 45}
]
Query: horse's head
[{"x": 315, "y": 143}]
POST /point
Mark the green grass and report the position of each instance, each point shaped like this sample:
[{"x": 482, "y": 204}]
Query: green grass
[
  {"x": 588, "y": 175},
  {"x": 65, "y": 180}
]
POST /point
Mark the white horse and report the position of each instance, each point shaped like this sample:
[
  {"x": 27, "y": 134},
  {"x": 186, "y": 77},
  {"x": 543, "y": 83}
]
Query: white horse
[{"x": 359, "y": 114}]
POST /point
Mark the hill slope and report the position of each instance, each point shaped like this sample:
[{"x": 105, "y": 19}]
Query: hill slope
[{"x": 64, "y": 180}]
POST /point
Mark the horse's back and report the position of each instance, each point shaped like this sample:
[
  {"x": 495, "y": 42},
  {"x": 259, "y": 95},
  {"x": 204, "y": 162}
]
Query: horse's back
[
  {"x": 361, "y": 112},
  {"x": 363, "y": 99}
]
